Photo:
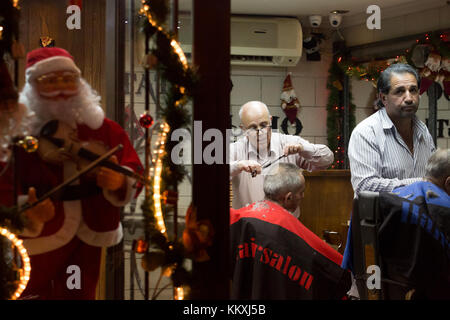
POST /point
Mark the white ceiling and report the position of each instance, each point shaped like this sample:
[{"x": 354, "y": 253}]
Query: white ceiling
[
  {"x": 300, "y": 7},
  {"x": 304, "y": 8}
]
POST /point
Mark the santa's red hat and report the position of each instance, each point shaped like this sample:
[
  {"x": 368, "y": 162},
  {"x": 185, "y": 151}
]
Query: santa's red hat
[
  {"x": 287, "y": 84},
  {"x": 48, "y": 59}
]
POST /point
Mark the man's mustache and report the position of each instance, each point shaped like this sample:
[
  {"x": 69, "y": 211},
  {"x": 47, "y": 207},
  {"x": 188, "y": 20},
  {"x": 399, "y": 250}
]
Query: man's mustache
[{"x": 53, "y": 94}]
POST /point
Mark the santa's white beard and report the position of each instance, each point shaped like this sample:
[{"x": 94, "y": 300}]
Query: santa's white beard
[{"x": 82, "y": 108}]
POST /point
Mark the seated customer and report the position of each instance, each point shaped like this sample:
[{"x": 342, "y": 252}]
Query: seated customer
[
  {"x": 415, "y": 232},
  {"x": 274, "y": 256}
]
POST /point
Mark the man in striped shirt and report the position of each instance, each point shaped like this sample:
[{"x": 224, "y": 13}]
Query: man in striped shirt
[{"x": 390, "y": 148}]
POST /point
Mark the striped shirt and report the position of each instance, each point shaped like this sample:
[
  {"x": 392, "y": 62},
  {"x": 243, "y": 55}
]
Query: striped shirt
[
  {"x": 379, "y": 158},
  {"x": 246, "y": 189}
]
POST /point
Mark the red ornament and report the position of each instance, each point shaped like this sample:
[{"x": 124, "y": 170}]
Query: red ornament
[
  {"x": 141, "y": 246},
  {"x": 146, "y": 120}
]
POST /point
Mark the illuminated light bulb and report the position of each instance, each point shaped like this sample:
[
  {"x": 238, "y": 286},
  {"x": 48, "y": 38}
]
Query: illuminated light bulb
[{"x": 179, "y": 293}]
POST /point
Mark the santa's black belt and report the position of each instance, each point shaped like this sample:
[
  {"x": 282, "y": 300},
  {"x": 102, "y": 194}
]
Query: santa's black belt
[{"x": 78, "y": 192}]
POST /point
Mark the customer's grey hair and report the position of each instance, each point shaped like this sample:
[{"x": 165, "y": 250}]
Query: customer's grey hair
[
  {"x": 438, "y": 166},
  {"x": 283, "y": 178}
]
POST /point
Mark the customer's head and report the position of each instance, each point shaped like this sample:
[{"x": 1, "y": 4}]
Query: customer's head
[
  {"x": 256, "y": 122},
  {"x": 398, "y": 87},
  {"x": 437, "y": 169},
  {"x": 285, "y": 185}
]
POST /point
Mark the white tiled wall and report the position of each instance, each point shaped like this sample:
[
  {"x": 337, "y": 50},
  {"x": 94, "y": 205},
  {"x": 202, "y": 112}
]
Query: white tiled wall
[{"x": 266, "y": 84}]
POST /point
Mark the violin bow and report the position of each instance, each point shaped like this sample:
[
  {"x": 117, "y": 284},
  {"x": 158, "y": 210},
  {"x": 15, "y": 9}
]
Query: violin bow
[{"x": 89, "y": 167}]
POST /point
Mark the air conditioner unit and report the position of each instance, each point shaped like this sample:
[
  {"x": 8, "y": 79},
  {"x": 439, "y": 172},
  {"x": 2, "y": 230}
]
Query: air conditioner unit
[{"x": 256, "y": 41}]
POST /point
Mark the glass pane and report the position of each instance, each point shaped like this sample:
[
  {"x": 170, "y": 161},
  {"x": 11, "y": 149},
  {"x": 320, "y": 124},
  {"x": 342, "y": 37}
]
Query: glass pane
[{"x": 133, "y": 221}]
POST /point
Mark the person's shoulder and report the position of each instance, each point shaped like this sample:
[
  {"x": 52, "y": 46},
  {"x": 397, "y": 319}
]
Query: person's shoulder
[
  {"x": 369, "y": 125},
  {"x": 426, "y": 189},
  {"x": 373, "y": 120}
]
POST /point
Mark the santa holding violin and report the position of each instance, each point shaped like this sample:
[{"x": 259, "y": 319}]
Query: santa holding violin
[{"x": 86, "y": 212}]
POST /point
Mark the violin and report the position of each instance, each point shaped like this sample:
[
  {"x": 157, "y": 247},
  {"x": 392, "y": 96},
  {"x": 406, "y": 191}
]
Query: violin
[{"x": 59, "y": 142}]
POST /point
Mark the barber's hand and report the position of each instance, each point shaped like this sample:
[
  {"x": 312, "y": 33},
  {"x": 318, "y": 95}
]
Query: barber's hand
[
  {"x": 293, "y": 149},
  {"x": 110, "y": 179},
  {"x": 40, "y": 213},
  {"x": 250, "y": 166}
]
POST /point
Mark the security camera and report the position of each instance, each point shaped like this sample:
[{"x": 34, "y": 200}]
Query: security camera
[
  {"x": 315, "y": 21},
  {"x": 335, "y": 19}
]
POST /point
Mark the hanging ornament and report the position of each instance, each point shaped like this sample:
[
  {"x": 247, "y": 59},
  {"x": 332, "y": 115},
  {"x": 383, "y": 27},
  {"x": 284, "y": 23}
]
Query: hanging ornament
[
  {"x": 338, "y": 85},
  {"x": 141, "y": 246},
  {"x": 197, "y": 236},
  {"x": 146, "y": 120},
  {"x": 153, "y": 260},
  {"x": 149, "y": 61},
  {"x": 1, "y": 32},
  {"x": 17, "y": 50},
  {"x": 29, "y": 144},
  {"x": 170, "y": 197},
  {"x": 46, "y": 42}
]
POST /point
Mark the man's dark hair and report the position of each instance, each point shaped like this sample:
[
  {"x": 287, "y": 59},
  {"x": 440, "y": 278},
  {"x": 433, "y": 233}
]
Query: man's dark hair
[{"x": 384, "y": 81}]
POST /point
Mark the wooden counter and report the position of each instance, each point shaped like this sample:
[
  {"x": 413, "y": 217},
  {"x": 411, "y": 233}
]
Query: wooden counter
[{"x": 327, "y": 203}]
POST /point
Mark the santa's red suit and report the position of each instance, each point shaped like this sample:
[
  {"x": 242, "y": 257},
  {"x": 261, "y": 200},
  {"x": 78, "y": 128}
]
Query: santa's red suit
[{"x": 87, "y": 217}]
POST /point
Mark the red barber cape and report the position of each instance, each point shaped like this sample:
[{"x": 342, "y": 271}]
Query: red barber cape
[{"x": 274, "y": 256}]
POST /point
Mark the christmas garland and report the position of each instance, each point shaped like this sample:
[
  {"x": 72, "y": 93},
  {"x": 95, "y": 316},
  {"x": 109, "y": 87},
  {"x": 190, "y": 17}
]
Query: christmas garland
[
  {"x": 370, "y": 71},
  {"x": 167, "y": 56},
  {"x": 335, "y": 114},
  {"x": 430, "y": 55}
]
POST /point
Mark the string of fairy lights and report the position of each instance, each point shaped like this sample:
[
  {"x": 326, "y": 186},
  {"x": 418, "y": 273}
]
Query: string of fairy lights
[
  {"x": 160, "y": 143},
  {"x": 145, "y": 10},
  {"x": 26, "y": 270}
]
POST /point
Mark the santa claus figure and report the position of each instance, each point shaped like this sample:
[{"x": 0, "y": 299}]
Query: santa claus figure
[
  {"x": 66, "y": 250},
  {"x": 289, "y": 100}
]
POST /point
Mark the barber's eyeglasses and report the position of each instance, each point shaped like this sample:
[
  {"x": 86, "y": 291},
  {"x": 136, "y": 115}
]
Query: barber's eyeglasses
[{"x": 261, "y": 130}]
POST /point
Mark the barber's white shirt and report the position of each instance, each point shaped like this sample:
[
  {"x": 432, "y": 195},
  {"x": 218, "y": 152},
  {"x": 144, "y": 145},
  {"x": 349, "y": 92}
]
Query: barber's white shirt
[{"x": 247, "y": 190}]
